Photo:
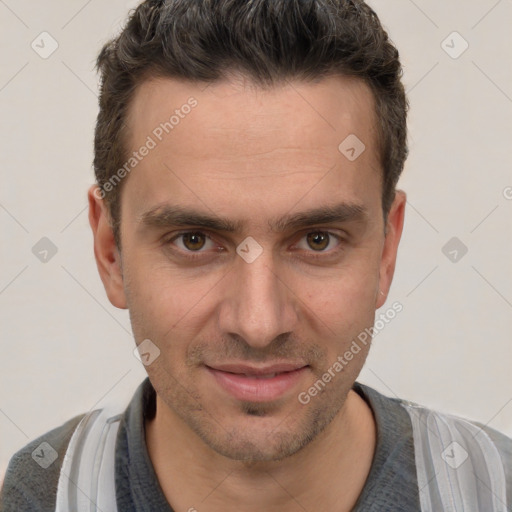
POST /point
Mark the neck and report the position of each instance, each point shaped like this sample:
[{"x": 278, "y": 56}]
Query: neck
[{"x": 328, "y": 474}]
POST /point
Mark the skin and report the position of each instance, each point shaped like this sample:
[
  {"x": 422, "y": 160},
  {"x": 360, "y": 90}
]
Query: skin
[{"x": 251, "y": 156}]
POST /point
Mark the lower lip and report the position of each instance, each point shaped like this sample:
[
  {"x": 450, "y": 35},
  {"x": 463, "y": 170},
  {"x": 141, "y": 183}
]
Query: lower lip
[{"x": 257, "y": 390}]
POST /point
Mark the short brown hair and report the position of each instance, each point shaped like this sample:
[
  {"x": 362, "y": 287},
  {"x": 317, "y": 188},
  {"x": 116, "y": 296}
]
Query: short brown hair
[{"x": 269, "y": 41}]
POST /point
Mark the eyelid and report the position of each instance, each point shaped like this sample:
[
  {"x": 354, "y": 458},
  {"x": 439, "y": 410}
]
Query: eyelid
[
  {"x": 339, "y": 238},
  {"x": 169, "y": 239}
]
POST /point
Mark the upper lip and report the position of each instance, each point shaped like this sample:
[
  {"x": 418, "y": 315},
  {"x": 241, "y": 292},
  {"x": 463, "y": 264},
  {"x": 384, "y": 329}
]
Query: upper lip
[{"x": 257, "y": 370}]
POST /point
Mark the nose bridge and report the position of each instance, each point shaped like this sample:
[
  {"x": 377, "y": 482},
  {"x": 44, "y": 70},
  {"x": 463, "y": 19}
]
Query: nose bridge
[{"x": 261, "y": 307}]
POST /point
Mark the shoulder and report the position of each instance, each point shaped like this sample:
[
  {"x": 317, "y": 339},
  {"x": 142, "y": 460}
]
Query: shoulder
[
  {"x": 471, "y": 460},
  {"x": 469, "y": 434},
  {"x": 31, "y": 479},
  {"x": 432, "y": 425},
  {"x": 456, "y": 461}
]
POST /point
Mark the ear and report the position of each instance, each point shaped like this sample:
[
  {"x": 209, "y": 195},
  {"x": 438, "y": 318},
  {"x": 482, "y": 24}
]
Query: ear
[
  {"x": 108, "y": 258},
  {"x": 394, "y": 226}
]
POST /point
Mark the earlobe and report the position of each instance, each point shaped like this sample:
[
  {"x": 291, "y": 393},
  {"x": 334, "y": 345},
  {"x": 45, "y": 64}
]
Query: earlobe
[
  {"x": 108, "y": 258},
  {"x": 394, "y": 227}
]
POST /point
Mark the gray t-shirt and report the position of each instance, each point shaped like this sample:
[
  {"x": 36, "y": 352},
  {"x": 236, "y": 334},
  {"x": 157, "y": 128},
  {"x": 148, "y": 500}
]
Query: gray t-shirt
[{"x": 391, "y": 484}]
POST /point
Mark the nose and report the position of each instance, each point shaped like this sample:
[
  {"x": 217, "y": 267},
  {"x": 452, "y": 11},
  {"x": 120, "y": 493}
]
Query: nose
[{"x": 259, "y": 305}]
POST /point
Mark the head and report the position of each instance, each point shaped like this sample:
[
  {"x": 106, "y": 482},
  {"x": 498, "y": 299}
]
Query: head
[{"x": 246, "y": 212}]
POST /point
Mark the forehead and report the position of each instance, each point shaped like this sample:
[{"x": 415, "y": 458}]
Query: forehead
[
  {"x": 323, "y": 111},
  {"x": 235, "y": 139}
]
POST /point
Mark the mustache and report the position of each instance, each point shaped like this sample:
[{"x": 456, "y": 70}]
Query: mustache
[{"x": 234, "y": 348}]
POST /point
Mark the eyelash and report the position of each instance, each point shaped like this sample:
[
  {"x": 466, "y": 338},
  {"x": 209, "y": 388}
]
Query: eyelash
[{"x": 194, "y": 255}]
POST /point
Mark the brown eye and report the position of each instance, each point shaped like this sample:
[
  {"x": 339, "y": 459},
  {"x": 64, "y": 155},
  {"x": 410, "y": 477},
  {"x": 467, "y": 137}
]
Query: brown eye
[
  {"x": 318, "y": 240},
  {"x": 193, "y": 241}
]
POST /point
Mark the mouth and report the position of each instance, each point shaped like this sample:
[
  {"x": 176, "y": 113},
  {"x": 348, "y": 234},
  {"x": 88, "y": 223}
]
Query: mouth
[{"x": 257, "y": 384}]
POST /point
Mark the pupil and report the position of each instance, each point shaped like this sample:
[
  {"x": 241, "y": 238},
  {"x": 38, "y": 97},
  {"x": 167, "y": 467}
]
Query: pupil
[
  {"x": 318, "y": 239},
  {"x": 193, "y": 241}
]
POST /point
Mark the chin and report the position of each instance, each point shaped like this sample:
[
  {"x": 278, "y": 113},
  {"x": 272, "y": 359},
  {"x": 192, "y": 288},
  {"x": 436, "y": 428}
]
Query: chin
[{"x": 260, "y": 436}]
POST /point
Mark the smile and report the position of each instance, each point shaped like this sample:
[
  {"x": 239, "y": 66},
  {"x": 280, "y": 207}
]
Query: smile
[{"x": 257, "y": 384}]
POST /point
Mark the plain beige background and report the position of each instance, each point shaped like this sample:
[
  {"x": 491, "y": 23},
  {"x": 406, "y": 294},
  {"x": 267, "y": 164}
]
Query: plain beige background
[{"x": 65, "y": 349}]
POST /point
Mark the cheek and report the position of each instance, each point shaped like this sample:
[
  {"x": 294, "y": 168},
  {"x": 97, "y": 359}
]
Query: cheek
[
  {"x": 166, "y": 304},
  {"x": 347, "y": 292},
  {"x": 339, "y": 309}
]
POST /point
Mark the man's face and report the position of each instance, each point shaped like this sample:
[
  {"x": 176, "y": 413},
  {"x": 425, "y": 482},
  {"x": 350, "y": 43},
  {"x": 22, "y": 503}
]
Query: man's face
[{"x": 242, "y": 333}]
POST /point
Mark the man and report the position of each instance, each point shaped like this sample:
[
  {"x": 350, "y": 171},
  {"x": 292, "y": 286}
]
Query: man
[{"x": 246, "y": 214}]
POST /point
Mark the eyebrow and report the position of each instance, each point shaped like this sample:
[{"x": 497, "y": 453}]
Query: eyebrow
[{"x": 177, "y": 216}]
